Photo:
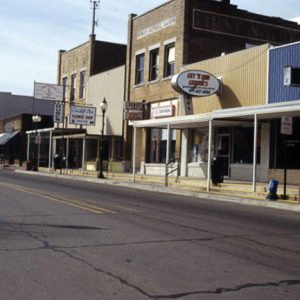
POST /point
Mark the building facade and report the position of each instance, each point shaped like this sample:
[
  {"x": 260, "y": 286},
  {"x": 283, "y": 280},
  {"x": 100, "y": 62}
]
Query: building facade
[
  {"x": 181, "y": 35},
  {"x": 77, "y": 69}
]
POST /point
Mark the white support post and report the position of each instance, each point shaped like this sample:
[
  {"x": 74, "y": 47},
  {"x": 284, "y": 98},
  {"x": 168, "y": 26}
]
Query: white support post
[
  {"x": 134, "y": 154},
  {"x": 83, "y": 154},
  {"x": 254, "y": 153},
  {"x": 167, "y": 156},
  {"x": 39, "y": 150},
  {"x": 209, "y": 155},
  {"x": 50, "y": 151}
]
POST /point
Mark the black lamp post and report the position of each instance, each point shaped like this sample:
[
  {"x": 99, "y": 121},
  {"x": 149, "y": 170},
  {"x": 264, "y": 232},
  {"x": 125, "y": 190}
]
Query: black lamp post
[
  {"x": 35, "y": 119},
  {"x": 103, "y": 106}
]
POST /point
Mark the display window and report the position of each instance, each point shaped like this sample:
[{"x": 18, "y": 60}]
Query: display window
[
  {"x": 199, "y": 146},
  {"x": 157, "y": 149}
]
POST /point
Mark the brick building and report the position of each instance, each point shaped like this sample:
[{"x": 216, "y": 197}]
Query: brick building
[{"x": 177, "y": 33}]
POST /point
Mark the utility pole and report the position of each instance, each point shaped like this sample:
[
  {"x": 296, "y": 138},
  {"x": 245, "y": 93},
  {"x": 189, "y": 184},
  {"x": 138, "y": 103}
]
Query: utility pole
[{"x": 95, "y": 5}]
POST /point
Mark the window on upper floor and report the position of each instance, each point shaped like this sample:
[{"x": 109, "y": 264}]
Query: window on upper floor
[
  {"x": 82, "y": 84},
  {"x": 140, "y": 68},
  {"x": 64, "y": 84},
  {"x": 169, "y": 60},
  {"x": 154, "y": 64},
  {"x": 73, "y": 87}
]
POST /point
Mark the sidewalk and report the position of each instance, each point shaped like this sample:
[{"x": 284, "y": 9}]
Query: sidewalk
[{"x": 229, "y": 191}]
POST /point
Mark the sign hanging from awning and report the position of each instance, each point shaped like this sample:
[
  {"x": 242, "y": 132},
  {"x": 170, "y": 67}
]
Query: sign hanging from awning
[
  {"x": 47, "y": 91},
  {"x": 286, "y": 125},
  {"x": 196, "y": 83}
]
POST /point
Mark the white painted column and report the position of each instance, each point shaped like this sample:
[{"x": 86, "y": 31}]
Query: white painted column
[
  {"x": 254, "y": 153},
  {"x": 28, "y": 146},
  {"x": 133, "y": 154},
  {"x": 50, "y": 151},
  {"x": 83, "y": 154},
  {"x": 39, "y": 150},
  {"x": 167, "y": 156},
  {"x": 184, "y": 152},
  {"x": 209, "y": 155}
]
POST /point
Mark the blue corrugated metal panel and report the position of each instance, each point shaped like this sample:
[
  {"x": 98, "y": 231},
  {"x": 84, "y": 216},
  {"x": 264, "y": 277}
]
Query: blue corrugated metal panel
[{"x": 279, "y": 58}]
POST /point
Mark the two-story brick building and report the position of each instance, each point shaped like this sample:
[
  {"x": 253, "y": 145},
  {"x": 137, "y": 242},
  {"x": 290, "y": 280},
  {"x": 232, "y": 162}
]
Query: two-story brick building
[{"x": 171, "y": 36}]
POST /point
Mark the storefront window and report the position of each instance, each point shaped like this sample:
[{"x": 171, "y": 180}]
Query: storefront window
[
  {"x": 278, "y": 144},
  {"x": 199, "y": 146},
  {"x": 243, "y": 145},
  {"x": 158, "y": 145}
]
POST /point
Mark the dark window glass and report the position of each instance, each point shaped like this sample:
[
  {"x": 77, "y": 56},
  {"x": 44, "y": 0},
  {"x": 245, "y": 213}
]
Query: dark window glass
[
  {"x": 158, "y": 145},
  {"x": 243, "y": 145},
  {"x": 64, "y": 83},
  {"x": 140, "y": 66},
  {"x": 73, "y": 87},
  {"x": 154, "y": 64},
  {"x": 169, "y": 60},
  {"x": 82, "y": 85}
]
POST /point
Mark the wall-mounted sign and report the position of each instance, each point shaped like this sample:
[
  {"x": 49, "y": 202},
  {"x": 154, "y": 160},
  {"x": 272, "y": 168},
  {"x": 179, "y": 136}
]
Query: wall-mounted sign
[
  {"x": 133, "y": 115},
  {"x": 133, "y": 111},
  {"x": 134, "y": 105},
  {"x": 286, "y": 125},
  {"x": 81, "y": 115},
  {"x": 162, "y": 111},
  {"x": 196, "y": 83},
  {"x": 46, "y": 91},
  {"x": 58, "y": 115},
  {"x": 156, "y": 27}
]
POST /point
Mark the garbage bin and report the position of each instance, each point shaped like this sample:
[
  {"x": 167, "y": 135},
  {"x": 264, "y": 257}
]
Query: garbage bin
[
  {"x": 63, "y": 162},
  {"x": 216, "y": 176},
  {"x": 57, "y": 161},
  {"x": 273, "y": 185}
]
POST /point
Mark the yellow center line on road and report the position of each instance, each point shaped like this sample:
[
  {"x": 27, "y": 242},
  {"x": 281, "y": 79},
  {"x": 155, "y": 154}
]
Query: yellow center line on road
[
  {"x": 115, "y": 206},
  {"x": 58, "y": 198}
]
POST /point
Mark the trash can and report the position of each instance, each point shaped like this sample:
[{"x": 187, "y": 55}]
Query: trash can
[
  {"x": 57, "y": 161},
  {"x": 216, "y": 176},
  {"x": 273, "y": 185}
]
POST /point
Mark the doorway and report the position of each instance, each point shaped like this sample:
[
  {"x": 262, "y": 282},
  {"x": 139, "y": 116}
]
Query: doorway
[{"x": 223, "y": 152}]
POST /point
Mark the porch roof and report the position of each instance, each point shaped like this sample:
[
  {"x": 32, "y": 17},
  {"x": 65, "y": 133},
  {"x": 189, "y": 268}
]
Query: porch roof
[{"x": 225, "y": 116}]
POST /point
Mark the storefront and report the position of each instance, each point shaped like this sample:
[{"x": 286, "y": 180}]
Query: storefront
[{"x": 237, "y": 125}]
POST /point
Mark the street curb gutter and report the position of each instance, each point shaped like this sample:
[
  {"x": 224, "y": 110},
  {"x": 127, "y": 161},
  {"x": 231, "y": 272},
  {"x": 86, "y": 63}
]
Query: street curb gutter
[{"x": 209, "y": 195}]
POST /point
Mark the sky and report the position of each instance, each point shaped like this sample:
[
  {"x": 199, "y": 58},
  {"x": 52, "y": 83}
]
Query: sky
[{"x": 32, "y": 32}]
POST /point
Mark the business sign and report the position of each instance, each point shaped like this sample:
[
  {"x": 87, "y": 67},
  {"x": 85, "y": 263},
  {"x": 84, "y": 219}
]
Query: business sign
[
  {"x": 133, "y": 111},
  {"x": 46, "y": 91},
  {"x": 133, "y": 115},
  {"x": 156, "y": 27},
  {"x": 286, "y": 125},
  {"x": 162, "y": 111},
  {"x": 58, "y": 116},
  {"x": 196, "y": 83},
  {"x": 82, "y": 115}
]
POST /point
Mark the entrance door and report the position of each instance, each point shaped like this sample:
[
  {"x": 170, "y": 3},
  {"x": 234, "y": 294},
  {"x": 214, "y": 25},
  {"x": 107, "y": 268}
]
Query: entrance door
[{"x": 223, "y": 152}]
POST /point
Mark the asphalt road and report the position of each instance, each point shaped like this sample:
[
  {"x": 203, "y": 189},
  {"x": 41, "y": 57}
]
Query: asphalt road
[{"x": 62, "y": 239}]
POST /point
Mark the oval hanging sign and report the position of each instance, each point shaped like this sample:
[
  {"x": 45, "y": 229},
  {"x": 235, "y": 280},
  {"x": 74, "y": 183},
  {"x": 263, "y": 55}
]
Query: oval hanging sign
[{"x": 196, "y": 83}]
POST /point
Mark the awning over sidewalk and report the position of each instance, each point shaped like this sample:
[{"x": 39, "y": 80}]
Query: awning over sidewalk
[
  {"x": 231, "y": 115},
  {"x": 6, "y": 137},
  {"x": 216, "y": 118}
]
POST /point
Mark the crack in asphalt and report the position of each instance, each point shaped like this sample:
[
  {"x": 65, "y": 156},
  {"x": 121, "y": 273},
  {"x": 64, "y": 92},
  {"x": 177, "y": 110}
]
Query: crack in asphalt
[
  {"x": 219, "y": 290},
  {"x": 222, "y": 290}
]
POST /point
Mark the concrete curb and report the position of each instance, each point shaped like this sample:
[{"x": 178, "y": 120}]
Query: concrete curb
[{"x": 151, "y": 187}]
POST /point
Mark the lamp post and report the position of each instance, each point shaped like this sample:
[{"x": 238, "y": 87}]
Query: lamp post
[
  {"x": 103, "y": 107},
  {"x": 35, "y": 119}
]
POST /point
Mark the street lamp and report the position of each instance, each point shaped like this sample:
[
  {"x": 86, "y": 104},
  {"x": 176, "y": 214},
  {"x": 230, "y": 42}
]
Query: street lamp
[
  {"x": 35, "y": 119},
  {"x": 103, "y": 107}
]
